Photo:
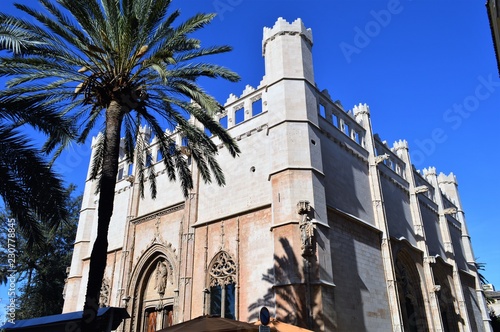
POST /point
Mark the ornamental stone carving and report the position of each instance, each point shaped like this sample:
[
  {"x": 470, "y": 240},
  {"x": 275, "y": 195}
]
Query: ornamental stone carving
[
  {"x": 223, "y": 271},
  {"x": 104, "y": 293},
  {"x": 161, "y": 277},
  {"x": 306, "y": 228}
]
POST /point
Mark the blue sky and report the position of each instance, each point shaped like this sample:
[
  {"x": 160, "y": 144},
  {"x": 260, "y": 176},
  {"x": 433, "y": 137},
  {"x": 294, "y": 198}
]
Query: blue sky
[{"x": 426, "y": 68}]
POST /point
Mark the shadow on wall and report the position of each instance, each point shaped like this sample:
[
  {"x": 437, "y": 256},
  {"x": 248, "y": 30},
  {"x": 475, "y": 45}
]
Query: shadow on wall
[{"x": 289, "y": 298}]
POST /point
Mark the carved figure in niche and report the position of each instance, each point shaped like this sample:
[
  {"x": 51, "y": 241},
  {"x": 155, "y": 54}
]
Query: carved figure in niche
[
  {"x": 306, "y": 228},
  {"x": 104, "y": 294},
  {"x": 161, "y": 277}
]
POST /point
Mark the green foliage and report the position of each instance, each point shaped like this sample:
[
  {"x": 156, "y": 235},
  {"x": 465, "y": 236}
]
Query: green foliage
[
  {"x": 482, "y": 278},
  {"x": 31, "y": 190},
  {"x": 80, "y": 56},
  {"x": 41, "y": 270},
  {"x": 118, "y": 65}
]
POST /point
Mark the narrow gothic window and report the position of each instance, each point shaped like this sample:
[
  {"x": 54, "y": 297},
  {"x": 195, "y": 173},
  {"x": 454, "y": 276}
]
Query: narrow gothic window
[
  {"x": 222, "y": 286},
  {"x": 335, "y": 120},
  {"x": 150, "y": 320},
  {"x": 223, "y": 122},
  {"x": 239, "y": 115},
  {"x": 322, "y": 111},
  {"x": 257, "y": 107},
  {"x": 168, "y": 316},
  {"x": 120, "y": 173},
  {"x": 149, "y": 159}
]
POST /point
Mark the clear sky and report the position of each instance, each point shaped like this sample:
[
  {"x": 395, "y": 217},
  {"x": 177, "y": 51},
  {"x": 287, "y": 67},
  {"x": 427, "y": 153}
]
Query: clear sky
[{"x": 426, "y": 68}]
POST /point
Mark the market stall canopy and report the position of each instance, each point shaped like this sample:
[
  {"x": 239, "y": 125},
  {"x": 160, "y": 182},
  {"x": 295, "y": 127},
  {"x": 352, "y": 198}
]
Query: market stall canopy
[
  {"x": 108, "y": 319},
  {"x": 212, "y": 323}
]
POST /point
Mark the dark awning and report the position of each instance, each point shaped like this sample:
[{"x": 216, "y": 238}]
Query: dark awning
[
  {"x": 213, "y": 324},
  {"x": 107, "y": 318}
]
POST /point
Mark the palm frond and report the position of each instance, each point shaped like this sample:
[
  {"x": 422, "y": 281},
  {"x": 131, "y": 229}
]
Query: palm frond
[{"x": 31, "y": 190}]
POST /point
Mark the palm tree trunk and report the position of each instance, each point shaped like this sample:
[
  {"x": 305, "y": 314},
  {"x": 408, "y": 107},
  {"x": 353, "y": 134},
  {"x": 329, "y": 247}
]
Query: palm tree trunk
[{"x": 98, "y": 257}]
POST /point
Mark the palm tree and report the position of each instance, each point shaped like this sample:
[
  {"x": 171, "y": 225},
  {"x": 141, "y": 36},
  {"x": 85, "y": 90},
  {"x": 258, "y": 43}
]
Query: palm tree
[
  {"x": 122, "y": 63},
  {"x": 32, "y": 191}
]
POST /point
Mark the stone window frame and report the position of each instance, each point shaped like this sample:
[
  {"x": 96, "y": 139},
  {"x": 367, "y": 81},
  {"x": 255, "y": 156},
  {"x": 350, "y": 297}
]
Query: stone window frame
[{"x": 222, "y": 272}]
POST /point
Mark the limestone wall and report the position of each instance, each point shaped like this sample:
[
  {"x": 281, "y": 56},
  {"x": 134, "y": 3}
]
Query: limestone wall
[
  {"x": 247, "y": 237},
  {"x": 360, "y": 293},
  {"x": 345, "y": 162}
]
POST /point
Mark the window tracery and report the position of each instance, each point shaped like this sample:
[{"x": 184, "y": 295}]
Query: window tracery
[
  {"x": 222, "y": 284},
  {"x": 223, "y": 271}
]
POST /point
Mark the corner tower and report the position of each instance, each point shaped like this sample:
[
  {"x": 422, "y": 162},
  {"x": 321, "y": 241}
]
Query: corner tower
[{"x": 297, "y": 180}]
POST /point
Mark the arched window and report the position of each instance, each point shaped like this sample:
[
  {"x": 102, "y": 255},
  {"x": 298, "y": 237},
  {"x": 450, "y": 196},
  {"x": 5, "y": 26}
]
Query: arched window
[{"x": 222, "y": 285}]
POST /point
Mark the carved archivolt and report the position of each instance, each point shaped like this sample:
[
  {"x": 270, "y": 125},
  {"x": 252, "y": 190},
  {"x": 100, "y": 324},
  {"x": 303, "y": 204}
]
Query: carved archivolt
[{"x": 223, "y": 270}]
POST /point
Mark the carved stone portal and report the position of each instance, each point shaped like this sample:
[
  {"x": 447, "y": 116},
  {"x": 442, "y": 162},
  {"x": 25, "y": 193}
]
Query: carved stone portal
[{"x": 306, "y": 228}]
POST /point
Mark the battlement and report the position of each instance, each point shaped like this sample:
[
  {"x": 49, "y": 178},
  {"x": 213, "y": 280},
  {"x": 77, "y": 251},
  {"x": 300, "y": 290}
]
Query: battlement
[
  {"x": 282, "y": 27},
  {"x": 361, "y": 109},
  {"x": 429, "y": 171},
  {"x": 450, "y": 178}
]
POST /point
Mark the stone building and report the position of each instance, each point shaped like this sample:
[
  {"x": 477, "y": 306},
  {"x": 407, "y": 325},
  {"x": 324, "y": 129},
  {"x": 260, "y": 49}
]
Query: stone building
[{"x": 320, "y": 221}]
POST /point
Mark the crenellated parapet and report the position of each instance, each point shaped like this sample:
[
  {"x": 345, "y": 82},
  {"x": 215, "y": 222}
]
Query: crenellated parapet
[
  {"x": 393, "y": 161},
  {"x": 430, "y": 171},
  {"x": 250, "y": 103},
  {"x": 361, "y": 109},
  {"x": 282, "y": 27},
  {"x": 448, "y": 179},
  {"x": 400, "y": 148}
]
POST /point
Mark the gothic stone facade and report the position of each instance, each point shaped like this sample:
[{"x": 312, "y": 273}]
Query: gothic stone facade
[{"x": 320, "y": 221}]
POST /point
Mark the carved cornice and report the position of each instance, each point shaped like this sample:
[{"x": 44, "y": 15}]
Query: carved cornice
[
  {"x": 119, "y": 191},
  {"x": 247, "y": 134},
  {"x": 282, "y": 33},
  {"x": 157, "y": 214},
  {"x": 238, "y": 106},
  {"x": 255, "y": 98}
]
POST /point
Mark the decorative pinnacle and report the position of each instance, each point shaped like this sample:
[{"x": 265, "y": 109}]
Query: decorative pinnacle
[
  {"x": 429, "y": 171},
  {"x": 361, "y": 109},
  {"x": 401, "y": 144},
  {"x": 450, "y": 178}
]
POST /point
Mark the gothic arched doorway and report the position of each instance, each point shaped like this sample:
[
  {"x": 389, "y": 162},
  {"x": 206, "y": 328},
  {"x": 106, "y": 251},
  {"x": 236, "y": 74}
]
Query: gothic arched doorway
[
  {"x": 154, "y": 284},
  {"x": 411, "y": 300},
  {"x": 447, "y": 302}
]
